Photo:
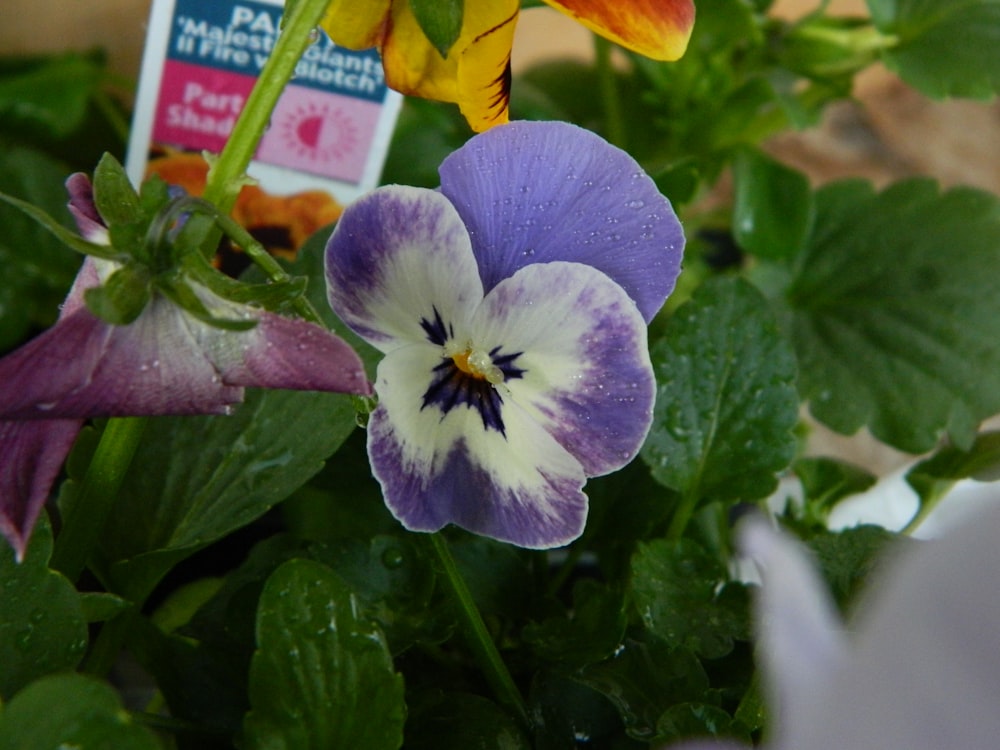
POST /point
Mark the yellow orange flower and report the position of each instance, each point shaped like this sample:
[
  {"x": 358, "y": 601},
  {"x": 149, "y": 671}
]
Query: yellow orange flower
[{"x": 475, "y": 73}]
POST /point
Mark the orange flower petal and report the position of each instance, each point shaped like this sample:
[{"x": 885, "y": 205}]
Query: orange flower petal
[{"x": 658, "y": 29}]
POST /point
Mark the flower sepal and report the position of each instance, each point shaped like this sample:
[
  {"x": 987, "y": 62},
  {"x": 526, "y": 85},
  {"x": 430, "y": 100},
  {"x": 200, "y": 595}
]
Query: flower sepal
[
  {"x": 274, "y": 296},
  {"x": 175, "y": 288},
  {"x": 123, "y": 297}
]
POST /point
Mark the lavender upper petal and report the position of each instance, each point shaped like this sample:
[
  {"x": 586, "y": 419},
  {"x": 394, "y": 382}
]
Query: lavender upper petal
[{"x": 533, "y": 192}]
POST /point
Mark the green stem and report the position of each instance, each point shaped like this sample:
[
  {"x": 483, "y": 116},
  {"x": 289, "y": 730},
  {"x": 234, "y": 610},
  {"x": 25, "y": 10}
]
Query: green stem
[
  {"x": 228, "y": 174},
  {"x": 565, "y": 570},
  {"x": 479, "y": 639},
  {"x": 108, "y": 644},
  {"x": 267, "y": 263},
  {"x": 85, "y": 517},
  {"x": 682, "y": 516},
  {"x": 114, "y": 117},
  {"x": 928, "y": 504},
  {"x": 607, "y": 81}
]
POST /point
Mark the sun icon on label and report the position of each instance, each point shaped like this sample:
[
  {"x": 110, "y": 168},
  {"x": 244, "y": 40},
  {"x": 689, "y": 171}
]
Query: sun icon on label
[{"x": 320, "y": 133}]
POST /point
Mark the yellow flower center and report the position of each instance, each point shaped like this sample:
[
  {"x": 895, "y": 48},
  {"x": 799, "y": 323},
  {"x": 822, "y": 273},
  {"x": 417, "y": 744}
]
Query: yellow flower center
[{"x": 474, "y": 362}]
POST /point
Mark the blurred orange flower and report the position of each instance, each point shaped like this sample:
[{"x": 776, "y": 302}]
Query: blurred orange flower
[{"x": 279, "y": 222}]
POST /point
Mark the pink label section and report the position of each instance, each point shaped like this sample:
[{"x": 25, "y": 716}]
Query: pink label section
[
  {"x": 320, "y": 133},
  {"x": 198, "y": 106},
  {"x": 311, "y": 131}
]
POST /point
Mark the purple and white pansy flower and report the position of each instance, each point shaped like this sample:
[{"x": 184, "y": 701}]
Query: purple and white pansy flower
[
  {"x": 511, "y": 306},
  {"x": 166, "y": 361}
]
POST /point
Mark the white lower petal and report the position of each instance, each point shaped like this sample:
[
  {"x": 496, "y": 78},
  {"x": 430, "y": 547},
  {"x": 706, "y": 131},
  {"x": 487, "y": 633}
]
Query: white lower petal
[{"x": 438, "y": 467}]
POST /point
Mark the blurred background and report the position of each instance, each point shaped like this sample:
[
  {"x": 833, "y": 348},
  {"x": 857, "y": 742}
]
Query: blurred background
[{"x": 889, "y": 133}]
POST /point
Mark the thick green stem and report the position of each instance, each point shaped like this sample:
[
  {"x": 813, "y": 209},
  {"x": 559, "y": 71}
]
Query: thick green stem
[
  {"x": 479, "y": 639},
  {"x": 228, "y": 174},
  {"x": 682, "y": 516},
  {"x": 614, "y": 117},
  {"x": 85, "y": 518}
]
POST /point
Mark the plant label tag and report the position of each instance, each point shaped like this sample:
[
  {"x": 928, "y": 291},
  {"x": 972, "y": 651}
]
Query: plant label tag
[{"x": 330, "y": 129}]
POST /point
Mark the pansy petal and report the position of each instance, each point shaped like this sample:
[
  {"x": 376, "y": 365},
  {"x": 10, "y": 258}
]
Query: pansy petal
[
  {"x": 476, "y": 72},
  {"x": 400, "y": 256},
  {"x": 84, "y": 210},
  {"x": 587, "y": 377},
  {"x": 437, "y": 468},
  {"x": 31, "y": 456},
  {"x": 285, "y": 353},
  {"x": 659, "y": 29},
  {"x": 923, "y": 669},
  {"x": 533, "y": 192},
  {"x": 801, "y": 637},
  {"x": 93, "y": 369},
  {"x": 356, "y": 25}
]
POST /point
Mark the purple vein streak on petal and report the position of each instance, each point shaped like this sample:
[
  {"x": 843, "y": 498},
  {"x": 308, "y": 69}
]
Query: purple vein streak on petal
[
  {"x": 437, "y": 332},
  {"x": 532, "y": 192}
]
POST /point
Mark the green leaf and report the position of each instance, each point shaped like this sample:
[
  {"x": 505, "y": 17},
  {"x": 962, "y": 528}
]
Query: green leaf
[
  {"x": 497, "y": 574},
  {"x": 675, "y": 589},
  {"x": 116, "y": 200},
  {"x": 122, "y": 298},
  {"x": 37, "y": 267},
  {"x": 848, "y": 558},
  {"x": 643, "y": 680},
  {"x": 588, "y": 633},
  {"x": 321, "y": 677},
  {"x": 894, "y": 314},
  {"x": 194, "y": 480},
  {"x": 51, "y": 97},
  {"x": 726, "y": 401},
  {"x": 461, "y": 721},
  {"x": 685, "y": 720},
  {"x": 42, "y": 627},
  {"x": 981, "y": 461},
  {"x": 934, "y": 477},
  {"x": 943, "y": 48},
  {"x": 70, "y": 711},
  {"x": 100, "y": 606},
  {"x": 440, "y": 20},
  {"x": 826, "y": 481},
  {"x": 772, "y": 206},
  {"x": 394, "y": 582},
  {"x": 564, "y": 711}
]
